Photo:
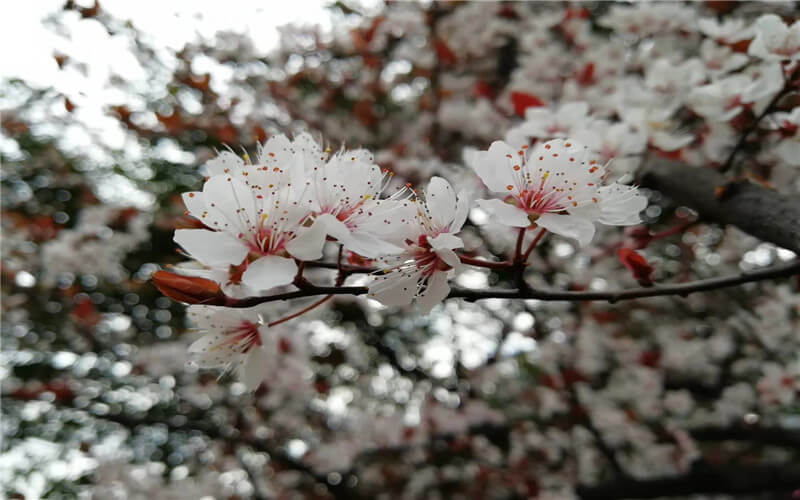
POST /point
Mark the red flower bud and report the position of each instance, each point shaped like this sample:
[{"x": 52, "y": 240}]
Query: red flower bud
[
  {"x": 637, "y": 265},
  {"x": 188, "y": 289}
]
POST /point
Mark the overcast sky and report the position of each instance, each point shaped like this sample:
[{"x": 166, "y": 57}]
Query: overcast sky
[{"x": 28, "y": 46}]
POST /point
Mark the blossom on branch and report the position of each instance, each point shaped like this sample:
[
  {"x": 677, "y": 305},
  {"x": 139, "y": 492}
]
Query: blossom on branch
[
  {"x": 775, "y": 41},
  {"x": 421, "y": 271},
  {"x": 727, "y": 97},
  {"x": 232, "y": 340},
  {"x": 262, "y": 216},
  {"x": 557, "y": 186}
]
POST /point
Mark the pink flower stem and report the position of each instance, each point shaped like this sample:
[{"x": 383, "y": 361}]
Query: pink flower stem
[
  {"x": 301, "y": 311},
  {"x": 533, "y": 244},
  {"x": 518, "y": 247}
]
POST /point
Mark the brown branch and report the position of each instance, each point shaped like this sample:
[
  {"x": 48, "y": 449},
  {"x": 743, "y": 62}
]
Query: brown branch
[
  {"x": 761, "y": 212},
  {"x": 702, "y": 478},
  {"x": 788, "y": 87},
  {"x": 681, "y": 289}
]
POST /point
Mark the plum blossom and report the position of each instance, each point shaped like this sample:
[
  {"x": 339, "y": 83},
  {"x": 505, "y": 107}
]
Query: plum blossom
[
  {"x": 649, "y": 18},
  {"x": 263, "y": 215},
  {"x": 670, "y": 82},
  {"x": 775, "y": 41},
  {"x": 254, "y": 218},
  {"x": 346, "y": 200},
  {"x": 546, "y": 123},
  {"x": 657, "y": 125},
  {"x": 724, "y": 99},
  {"x": 788, "y": 148},
  {"x": 727, "y": 31},
  {"x": 720, "y": 59},
  {"x": 614, "y": 141},
  {"x": 778, "y": 385},
  {"x": 556, "y": 186},
  {"x": 421, "y": 271},
  {"x": 233, "y": 339}
]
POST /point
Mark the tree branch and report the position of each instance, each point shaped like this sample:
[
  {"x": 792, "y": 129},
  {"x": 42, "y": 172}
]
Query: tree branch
[
  {"x": 702, "y": 478},
  {"x": 761, "y": 212},
  {"x": 681, "y": 289}
]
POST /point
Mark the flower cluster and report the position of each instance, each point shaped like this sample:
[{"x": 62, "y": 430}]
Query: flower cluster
[{"x": 265, "y": 218}]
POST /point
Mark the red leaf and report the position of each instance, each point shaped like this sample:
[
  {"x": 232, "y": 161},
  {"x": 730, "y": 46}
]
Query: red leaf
[
  {"x": 637, "y": 265},
  {"x": 483, "y": 89},
  {"x": 85, "y": 313},
  {"x": 585, "y": 76},
  {"x": 523, "y": 101},
  {"x": 650, "y": 358},
  {"x": 446, "y": 55}
]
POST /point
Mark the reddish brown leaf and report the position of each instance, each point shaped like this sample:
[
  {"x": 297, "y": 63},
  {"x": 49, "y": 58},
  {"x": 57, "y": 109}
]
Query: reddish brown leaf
[
  {"x": 637, "y": 265},
  {"x": 523, "y": 101}
]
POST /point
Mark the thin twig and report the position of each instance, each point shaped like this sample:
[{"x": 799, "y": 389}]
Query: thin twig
[
  {"x": 612, "y": 296},
  {"x": 788, "y": 88}
]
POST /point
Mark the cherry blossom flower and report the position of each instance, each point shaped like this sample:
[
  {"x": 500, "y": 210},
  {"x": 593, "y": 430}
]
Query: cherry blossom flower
[
  {"x": 719, "y": 59},
  {"x": 232, "y": 339},
  {"x": 728, "y": 31},
  {"x": 727, "y": 97},
  {"x": 657, "y": 125},
  {"x": 345, "y": 196},
  {"x": 421, "y": 271},
  {"x": 254, "y": 218},
  {"x": 557, "y": 186},
  {"x": 546, "y": 123},
  {"x": 775, "y": 41},
  {"x": 670, "y": 82},
  {"x": 614, "y": 141},
  {"x": 778, "y": 385},
  {"x": 788, "y": 148},
  {"x": 649, "y": 18}
]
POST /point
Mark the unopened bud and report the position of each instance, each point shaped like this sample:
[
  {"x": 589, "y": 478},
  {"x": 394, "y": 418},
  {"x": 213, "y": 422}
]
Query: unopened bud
[{"x": 188, "y": 289}]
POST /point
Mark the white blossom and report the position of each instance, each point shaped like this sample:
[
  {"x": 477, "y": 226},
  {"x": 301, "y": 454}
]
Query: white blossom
[
  {"x": 775, "y": 41},
  {"x": 556, "y": 186},
  {"x": 233, "y": 339},
  {"x": 421, "y": 271}
]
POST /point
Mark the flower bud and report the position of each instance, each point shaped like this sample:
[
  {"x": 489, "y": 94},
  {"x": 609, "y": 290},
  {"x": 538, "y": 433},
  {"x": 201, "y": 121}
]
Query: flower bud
[{"x": 188, "y": 289}]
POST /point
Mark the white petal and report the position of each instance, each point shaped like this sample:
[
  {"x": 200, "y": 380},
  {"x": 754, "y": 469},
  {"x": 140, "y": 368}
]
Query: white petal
[
  {"x": 441, "y": 201},
  {"x": 268, "y": 272},
  {"x": 231, "y": 204},
  {"x": 308, "y": 244},
  {"x": 368, "y": 245},
  {"x": 620, "y": 205},
  {"x": 435, "y": 292},
  {"x": 494, "y": 166},
  {"x": 573, "y": 113},
  {"x": 195, "y": 204},
  {"x": 503, "y": 213},
  {"x": 570, "y": 226},
  {"x": 788, "y": 150},
  {"x": 446, "y": 241},
  {"x": 253, "y": 368},
  {"x": 394, "y": 288},
  {"x": 213, "y": 248},
  {"x": 225, "y": 162},
  {"x": 666, "y": 141},
  {"x": 462, "y": 210},
  {"x": 449, "y": 257}
]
